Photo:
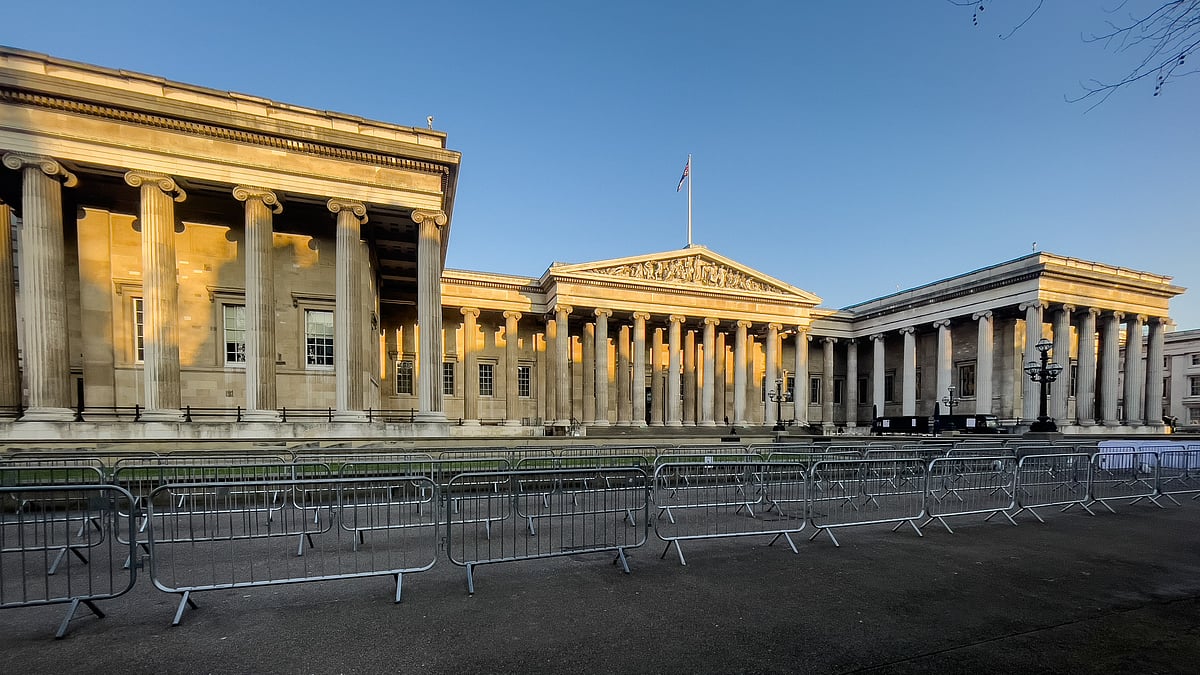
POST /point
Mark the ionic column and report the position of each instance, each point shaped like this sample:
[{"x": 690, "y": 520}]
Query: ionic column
[
  {"x": 689, "y": 377},
  {"x": 656, "y": 379},
  {"x": 772, "y": 371},
  {"x": 739, "y": 374},
  {"x": 721, "y": 408},
  {"x": 347, "y": 311},
  {"x": 587, "y": 374},
  {"x": 1060, "y": 389},
  {"x": 1110, "y": 360},
  {"x": 43, "y": 289},
  {"x": 708, "y": 391},
  {"x": 638, "y": 394},
  {"x": 550, "y": 415},
  {"x": 1135, "y": 405},
  {"x": 1085, "y": 383},
  {"x": 827, "y": 380},
  {"x": 261, "y": 205},
  {"x": 624, "y": 411},
  {"x": 800, "y": 396},
  {"x": 562, "y": 370},
  {"x": 10, "y": 372},
  {"x": 512, "y": 397},
  {"x": 851, "y": 401},
  {"x": 984, "y": 363},
  {"x": 431, "y": 406},
  {"x": 1154, "y": 373},
  {"x": 470, "y": 367},
  {"x": 908, "y": 406},
  {"x": 160, "y": 294},
  {"x": 674, "y": 403},
  {"x": 601, "y": 347},
  {"x": 1031, "y": 391},
  {"x": 878, "y": 373},
  {"x": 945, "y": 357}
]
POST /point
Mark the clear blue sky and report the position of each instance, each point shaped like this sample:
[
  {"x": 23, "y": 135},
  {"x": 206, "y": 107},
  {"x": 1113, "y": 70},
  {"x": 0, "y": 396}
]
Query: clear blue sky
[{"x": 848, "y": 148}]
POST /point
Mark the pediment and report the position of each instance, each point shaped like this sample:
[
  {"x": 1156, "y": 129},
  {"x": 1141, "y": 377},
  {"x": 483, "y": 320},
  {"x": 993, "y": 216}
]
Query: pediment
[{"x": 690, "y": 268}]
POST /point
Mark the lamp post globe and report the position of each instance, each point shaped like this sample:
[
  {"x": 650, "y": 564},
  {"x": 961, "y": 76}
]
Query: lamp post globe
[
  {"x": 779, "y": 396},
  {"x": 1043, "y": 371}
]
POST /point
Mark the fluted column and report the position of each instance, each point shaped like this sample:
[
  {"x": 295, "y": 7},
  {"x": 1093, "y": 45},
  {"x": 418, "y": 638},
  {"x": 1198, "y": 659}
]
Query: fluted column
[
  {"x": 909, "y": 400},
  {"x": 470, "y": 367},
  {"x": 984, "y": 363},
  {"x": 739, "y": 374},
  {"x": 430, "y": 399},
  {"x": 550, "y": 416},
  {"x": 674, "y": 370},
  {"x": 512, "y": 396},
  {"x": 562, "y": 369},
  {"x": 945, "y": 360},
  {"x": 1085, "y": 383},
  {"x": 261, "y": 205},
  {"x": 624, "y": 409},
  {"x": 638, "y": 393},
  {"x": 1060, "y": 389},
  {"x": 601, "y": 347},
  {"x": 800, "y": 395},
  {"x": 708, "y": 390},
  {"x": 689, "y": 377},
  {"x": 347, "y": 311},
  {"x": 1110, "y": 360},
  {"x": 721, "y": 406},
  {"x": 587, "y": 372},
  {"x": 10, "y": 372},
  {"x": 1031, "y": 391},
  {"x": 657, "y": 408},
  {"x": 1135, "y": 404},
  {"x": 772, "y": 371},
  {"x": 827, "y": 380},
  {"x": 851, "y": 402},
  {"x": 160, "y": 294},
  {"x": 1154, "y": 373},
  {"x": 878, "y": 375}
]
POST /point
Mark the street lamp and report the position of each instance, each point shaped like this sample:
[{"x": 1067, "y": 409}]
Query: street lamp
[
  {"x": 948, "y": 400},
  {"x": 1043, "y": 373},
  {"x": 779, "y": 396}
]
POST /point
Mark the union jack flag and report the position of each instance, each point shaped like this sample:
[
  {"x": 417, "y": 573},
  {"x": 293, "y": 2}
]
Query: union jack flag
[{"x": 687, "y": 169}]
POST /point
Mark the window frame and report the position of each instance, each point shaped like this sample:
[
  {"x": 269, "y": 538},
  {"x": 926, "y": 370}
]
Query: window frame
[
  {"x": 525, "y": 380},
  {"x": 225, "y": 334},
  {"x": 405, "y": 375},
  {"x": 309, "y": 363},
  {"x": 449, "y": 381},
  {"x": 490, "y": 368},
  {"x": 138, "y": 311}
]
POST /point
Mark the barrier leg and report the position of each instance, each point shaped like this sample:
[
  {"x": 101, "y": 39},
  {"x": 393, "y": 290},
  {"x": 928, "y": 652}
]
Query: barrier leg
[
  {"x": 62, "y": 628},
  {"x": 470, "y": 579},
  {"x": 532, "y": 532},
  {"x": 675, "y": 543},
  {"x": 993, "y": 515},
  {"x": 399, "y": 585},
  {"x": 629, "y": 516},
  {"x": 787, "y": 537},
  {"x": 622, "y": 559},
  {"x": 185, "y": 601},
  {"x": 827, "y": 531},
  {"x": 1168, "y": 496}
]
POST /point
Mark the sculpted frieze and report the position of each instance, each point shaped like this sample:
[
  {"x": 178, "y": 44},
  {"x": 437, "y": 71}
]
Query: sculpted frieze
[{"x": 693, "y": 270}]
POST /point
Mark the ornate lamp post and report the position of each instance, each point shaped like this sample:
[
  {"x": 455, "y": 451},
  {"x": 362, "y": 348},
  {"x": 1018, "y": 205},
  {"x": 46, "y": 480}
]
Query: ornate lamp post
[
  {"x": 1043, "y": 373},
  {"x": 779, "y": 396},
  {"x": 948, "y": 400}
]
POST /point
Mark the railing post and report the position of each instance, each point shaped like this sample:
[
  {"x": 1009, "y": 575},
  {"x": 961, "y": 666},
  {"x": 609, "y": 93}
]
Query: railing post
[
  {"x": 79, "y": 411},
  {"x": 330, "y": 410},
  {"x": 137, "y": 412},
  {"x": 239, "y": 413},
  {"x": 187, "y": 413}
]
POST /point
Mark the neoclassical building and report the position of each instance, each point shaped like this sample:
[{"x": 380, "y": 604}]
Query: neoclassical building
[{"x": 182, "y": 255}]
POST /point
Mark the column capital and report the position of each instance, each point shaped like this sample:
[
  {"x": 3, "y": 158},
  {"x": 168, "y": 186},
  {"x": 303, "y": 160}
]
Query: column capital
[
  {"x": 829, "y": 340},
  {"x": 878, "y": 337},
  {"x": 161, "y": 181},
  {"x": 908, "y": 330},
  {"x": 472, "y": 312},
  {"x": 774, "y": 326},
  {"x": 802, "y": 329},
  {"x": 1035, "y": 304},
  {"x": 1139, "y": 318},
  {"x": 49, "y": 166},
  {"x": 644, "y": 316},
  {"x": 851, "y": 341},
  {"x": 941, "y": 323},
  {"x": 419, "y": 216},
  {"x": 600, "y": 311},
  {"x": 744, "y": 324},
  {"x": 1090, "y": 310},
  {"x": 244, "y": 193},
  {"x": 563, "y": 309},
  {"x": 710, "y": 321},
  {"x": 1159, "y": 321},
  {"x": 359, "y": 209},
  {"x": 676, "y": 318},
  {"x": 1068, "y": 308},
  {"x": 986, "y": 314},
  {"x": 1117, "y": 315},
  {"x": 515, "y": 316}
]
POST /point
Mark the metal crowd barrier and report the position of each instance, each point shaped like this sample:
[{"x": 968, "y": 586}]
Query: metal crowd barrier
[
  {"x": 231, "y": 534},
  {"x": 1053, "y": 480},
  {"x": 963, "y": 486},
  {"x": 1179, "y": 472},
  {"x": 43, "y": 510},
  {"x": 852, "y": 493},
  {"x": 1124, "y": 474},
  {"x": 709, "y": 500},
  {"x": 571, "y": 520},
  {"x": 52, "y": 519}
]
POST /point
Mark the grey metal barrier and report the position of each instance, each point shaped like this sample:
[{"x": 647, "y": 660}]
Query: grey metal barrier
[
  {"x": 710, "y": 500},
  {"x": 231, "y": 535},
  {"x": 963, "y": 486},
  {"x": 1179, "y": 472},
  {"x": 55, "y": 518},
  {"x": 853, "y": 493},
  {"x": 570, "y": 522},
  {"x": 29, "y": 473},
  {"x": 1124, "y": 473},
  {"x": 1062, "y": 480}
]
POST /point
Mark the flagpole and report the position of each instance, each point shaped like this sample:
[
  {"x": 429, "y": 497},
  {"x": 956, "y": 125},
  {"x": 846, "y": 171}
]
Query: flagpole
[{"x": 689, "y": 168}]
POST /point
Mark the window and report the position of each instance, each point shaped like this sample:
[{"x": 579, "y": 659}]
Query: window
[
  {"x": 814, "y": 390},
  {"x": 1196, "y": 359},
  {"x": 1074, "y": 377},
  {"x": 966, "y": 380},
  {"x": 524, "y": 381},
  {"x": 839, "y": 389},
  {"x": 318, "y": 338},
  {"x": 235, "y": 335},
  {"x": 487, "y": 372},
  {"x": 889, "y": 387},
  {"x": 139, "y": 336},
  {"x": 447, "y": 378},
  {"x": 1194, "y": 386},
  {"x": 404, "y": 376},
  {"x": 1193, "y": 415},
  {"x": 789, "y": 388},
  {"x": 863, "y": 393}
]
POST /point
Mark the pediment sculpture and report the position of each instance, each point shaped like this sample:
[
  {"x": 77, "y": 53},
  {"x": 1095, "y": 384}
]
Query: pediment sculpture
[{"x": 690, "y": 270}]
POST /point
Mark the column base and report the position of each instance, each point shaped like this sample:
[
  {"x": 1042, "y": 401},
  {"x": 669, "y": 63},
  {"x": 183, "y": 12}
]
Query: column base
[
  {"x": 741, "y": 423},
  {"x": 48, "y": 414},
  {"x": 430, "y": 417},
  {"x": 675, "y": 423},
  {"x": 349, "y": 416},
  {"x": 600, "y": 423},
  {"x": 162, "y": 415},
  {"x": 562, "y": 423},
  {"x": 512, "y": 423},
  {"x": 708, "y": 423},
  {"x": 470, "y": 423},
  {"x": 1086, "y": 423},
  {"x": 657, "y": 424},
  {"x": 641, "y": 424},
  {"x": 624, "y": 423},
  {"x": 261, "y": 416}
]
